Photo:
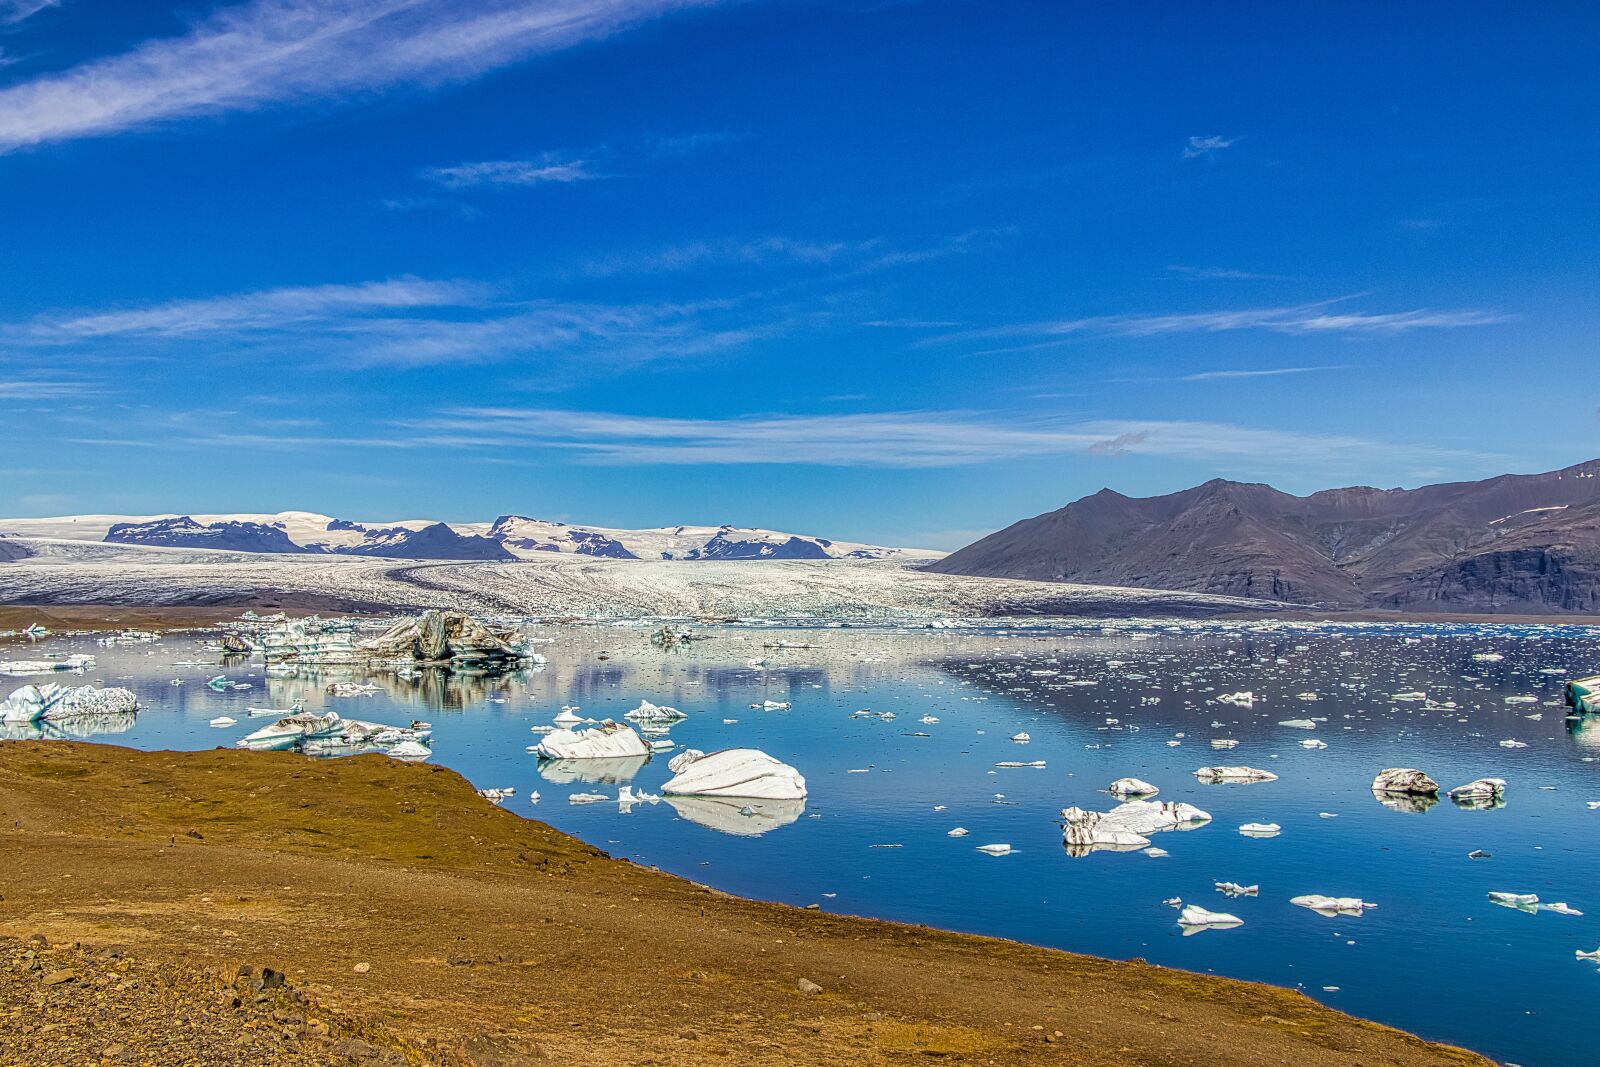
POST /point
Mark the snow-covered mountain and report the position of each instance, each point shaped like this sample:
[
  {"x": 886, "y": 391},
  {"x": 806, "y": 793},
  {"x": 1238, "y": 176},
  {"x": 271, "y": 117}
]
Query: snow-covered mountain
[{"x": 508, "y": 537}]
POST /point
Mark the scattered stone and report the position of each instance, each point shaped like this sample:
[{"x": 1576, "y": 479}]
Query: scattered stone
[{"x": 806, "y": 985}]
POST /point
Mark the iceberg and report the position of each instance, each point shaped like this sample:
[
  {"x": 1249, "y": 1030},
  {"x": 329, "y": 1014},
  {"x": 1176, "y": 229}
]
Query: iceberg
[
  {"x": 1404, "y": 780},
  {"x": 1331, "y": 906},
  {"x": 21, "y": 668},
  {"x": 1233, "y": 775},
  {"x": 1132, "y": 787},
  {"x": 1195, "y": 918},
  {"x": 54, "y": 703},
  {"x": 733, "y": 772},
  {"x": 1260, "y": 829},
  {"x": 1124, "y": 828},
  {"x": 654, "y": 713},
  {"x": 608, "y": 740},
  {"x": 290, "y": 730}
]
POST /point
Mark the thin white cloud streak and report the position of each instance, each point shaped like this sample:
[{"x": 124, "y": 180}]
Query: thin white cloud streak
[
  {"x": 401, "y": 322},
  {"x": 269, "y": 309},
  {"x": 14, "y": 11},
  {"x": 885, "y": 439},
  {"x": 1301, "y": 320},
  {"x": 268, "y": 52},
  {"x": 550, "y": 170},
  {"x": 1205, "y": 146},
  {"x": 1271, "y": 372},
  {"x": 24, "y": 389},
  {"x": 754, "y": 252}
]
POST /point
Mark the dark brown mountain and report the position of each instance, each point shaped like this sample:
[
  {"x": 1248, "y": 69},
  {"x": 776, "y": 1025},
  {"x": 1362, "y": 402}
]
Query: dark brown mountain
[{"x": 1517, "y": 543}]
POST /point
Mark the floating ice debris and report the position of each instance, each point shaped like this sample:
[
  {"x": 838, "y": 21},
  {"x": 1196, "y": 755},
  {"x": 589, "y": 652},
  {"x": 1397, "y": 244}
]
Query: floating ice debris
[
  {"x": 1582, "y": 955},
  {"x": 587, "y": 798},
  {"x": 1479, "y": 854},
  {"x": 1233, "y": 775},
  {"x": 1560, "y": 908},
  {"x": 1404, "y": 780},
  {"x": 1244, "y": 699},
  {"x": 293, "y": 709},
  {"x": 1195, "y": 918},
  {"x": 1156, "y": 853},
  {"x": 496, "y": 795},
  {"x": 409, "y": 750},
  {"x": 223, "y": 720},
  {"x": 1260, "y": 829},
  {"x": 55, "y": 703},
  {"x": 1520, "y": 901},
  {"x": 1307, "y": 696},
  {"x": 1331, "y": 906},
  {"x": 1482, "y": 793},
  {"x": 1173, "y": 902},
  {"x": 439, "y": 637},
  {"x": 219, "y": 683},
  {"x": 1487, "y": 657},
  {"x": 609, "y": 740},
  {"x": 733, "y": 772},
  {"x": 648, "y": 712},
  {"x": 1132, "y": 787},
  {"x": 78, "y": 662},
  {"x": 1410, "y": 697},
  {"x": 1313, "y": 743},
  {"x": 783, "y": 705},
  {"x": 1020, "y": 763},
  {"x": 960, "y": 831},
  {"x": 1522, "y": 699},
  {"x": 1124, "y": 827},
  {"x": 928, "y": 720},
  {"x": 1234, "y": 889},
  {"x": 568, "y": 716},
  {"x": 1513, "y": 744},
  {"x": 627, "y": 798},
  {"x": 1299, "y": 724},
  {"x": 1224, "y": 742},
  {"x": 995, "y": 850},
  {"x": 1021, "y": 739},
  {"x": 354, "y": 689}
]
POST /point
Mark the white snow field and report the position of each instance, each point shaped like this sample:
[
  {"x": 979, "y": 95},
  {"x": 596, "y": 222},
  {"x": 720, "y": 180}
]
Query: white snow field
[{"x": 85, "y": 572}]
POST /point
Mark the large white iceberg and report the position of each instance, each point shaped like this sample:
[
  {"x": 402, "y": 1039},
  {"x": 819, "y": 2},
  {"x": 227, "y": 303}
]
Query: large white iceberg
[
  {"x": 609, "y": 740},
  {"x": 332, "y": 734},
  {"x": 1127, "y": 826},
  {"x": 654, "y": 713},
  {"x": 1234, "y": 775},
  {"x": 79, "y": 662},
  {"x": 1404, "y": 780},
  {"x": 733, "y": 772},
  {"x": 55, "y": 703},
  {"x": 1132, "y": 787}
]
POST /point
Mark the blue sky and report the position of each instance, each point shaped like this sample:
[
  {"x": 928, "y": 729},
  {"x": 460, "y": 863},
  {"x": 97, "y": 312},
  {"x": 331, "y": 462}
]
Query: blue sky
[{"x": 889, "y": 271}]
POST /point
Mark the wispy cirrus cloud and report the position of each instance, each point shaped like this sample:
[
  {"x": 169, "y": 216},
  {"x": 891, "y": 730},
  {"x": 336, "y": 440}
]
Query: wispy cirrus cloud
[
  {"x": 1222, "y": 274},
  {"x": 1262, "y": 372},
  {"x": 46, "y": 389},
  {"x": 14, "y": 11},
  {"x": 546, "y": 170},
  {"x": 756, "y": 251},
  {"x": 895, "y": 439},
  {"x": 1301, "y": 319},
  {"x": 401, "y": 322},
  {"x": 1206, "y": 146},
  {"x": 262, "y": 53}
]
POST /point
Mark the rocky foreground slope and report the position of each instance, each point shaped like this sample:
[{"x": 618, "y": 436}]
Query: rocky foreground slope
[
  {"x": 410, "y": 921},
  {"x": 1517, "y": 543}
]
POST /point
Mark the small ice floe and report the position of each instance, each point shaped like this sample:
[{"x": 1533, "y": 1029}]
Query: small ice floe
[
  {"x": 782, "y": 705},
  {"x": 662, "y": 744},
  {"x": 755, "y": 664},
  {"x": 1193, "y": 918},
  {"x": 1234, "y": 889},
  {"x": 1480, "y": 854},
  {"x": 1582, "y": 955},
  {"x": 1233, "y": 775},
  {"x": 1243, "y": 699},
  {"x": 1522, "y": 699},
  {"x": 1313, "y": 743},
  {"x": 1132, "y": 787},
  {"x": 293, "y": 709},
  {"x": 1560, "y": 908},
  {"x": 354, "y": 689},
  {"x": 995, "y": 850},
  {"x": 78, "y": 663},
  {"x": 220, "y": 683},
  {"x": 1039, "y": 763},
  {"x": 1261, "y": 829},
  {"x": 928, "y": 720},
  {"x": 587, "y": 798},
  {"x": 730, "y": 722},
  {"x": 1331, "y": 906},
  {"x": 1480, "y": 794},
  {"x": 568, "y": 717},
  {"x": 1509, "y": 743},
  {"x": 1299, "y": 724},
  {"x": 1528, "y": 902},
  {"x": 408, "y": 750},
  {"x": 960, "y": 831},
  {"x": 733, "y": 772},
  {"x": 1156, "y": 853},
  {"x": 654, "y": 713},
  {"x": 1488, "y": 657},
  {"x": 609, "y": 740},
  {"x": 627, "y": 798},
  {"x": 1224, "y": 742},
  {"x": 1173, "y": 902},
  {"x": 223, "y": 720},
  {"x": 1124, "y": 828},
  {"x": 497, "y": 795},
  {"x": 1404, "y": 781},
  {"x": 1307, "y": 696}
]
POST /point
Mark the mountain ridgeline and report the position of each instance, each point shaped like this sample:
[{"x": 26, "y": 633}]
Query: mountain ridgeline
[{"x": 1512, "y": 544}]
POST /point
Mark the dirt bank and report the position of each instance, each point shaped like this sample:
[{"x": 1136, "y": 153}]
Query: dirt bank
[{"x": 490, "y": 939}]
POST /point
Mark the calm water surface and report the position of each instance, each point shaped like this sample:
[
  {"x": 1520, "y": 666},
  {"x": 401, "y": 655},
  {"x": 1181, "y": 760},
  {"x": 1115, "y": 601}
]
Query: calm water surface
[{"x": 1100, "y": 701}]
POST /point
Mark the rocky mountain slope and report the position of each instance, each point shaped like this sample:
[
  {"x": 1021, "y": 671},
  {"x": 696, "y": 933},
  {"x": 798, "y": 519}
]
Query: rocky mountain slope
[
  {"x": 508, "y": 537},
  {"x": 1515, "y": 543}
]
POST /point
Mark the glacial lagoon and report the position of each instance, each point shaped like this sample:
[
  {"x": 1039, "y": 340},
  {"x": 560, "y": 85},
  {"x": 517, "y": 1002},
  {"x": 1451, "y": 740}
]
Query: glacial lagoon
[{"x": 1099, "y": 701}]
